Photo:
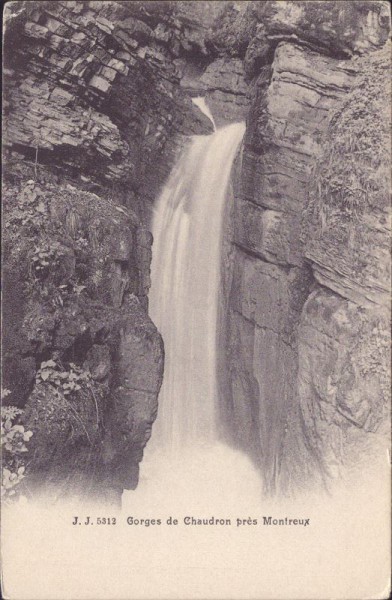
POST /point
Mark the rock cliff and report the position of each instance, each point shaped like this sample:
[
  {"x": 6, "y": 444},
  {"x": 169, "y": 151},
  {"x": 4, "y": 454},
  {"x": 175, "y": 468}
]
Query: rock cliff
[
  {"x": 80, "y": 353},
  {"x": 307, "y": 270}
]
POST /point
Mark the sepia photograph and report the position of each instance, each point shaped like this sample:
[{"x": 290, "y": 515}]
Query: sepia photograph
[{"x": 196, "y": 300}]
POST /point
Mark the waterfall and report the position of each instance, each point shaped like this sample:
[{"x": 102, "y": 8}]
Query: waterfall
[
  {"x": 185, "y": 275},
  {"x": 185, "y": 466},
  {"x": 201, "y": 103}
]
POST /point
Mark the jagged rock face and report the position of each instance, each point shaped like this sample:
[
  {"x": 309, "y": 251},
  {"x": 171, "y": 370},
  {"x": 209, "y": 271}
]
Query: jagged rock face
[
  {"x": 305, "y": 214},
  {"x": 225, "y": 90},
  {"x": 92, "y": 87},
  {"x": 344, "y": 337},
  {"x": 287, "y": 123},
  {"x": 252, "y": 30},
  {"x": 333, "y": 28},
  {"x": 349, "y": 199},
  {"x": 271, "y": 281},
  {"x": 343, "y": 381},
  {"x": 80, "y": 263}
]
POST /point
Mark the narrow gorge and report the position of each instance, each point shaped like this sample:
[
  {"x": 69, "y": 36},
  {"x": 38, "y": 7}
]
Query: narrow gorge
[{"x": 234, "y": 157}]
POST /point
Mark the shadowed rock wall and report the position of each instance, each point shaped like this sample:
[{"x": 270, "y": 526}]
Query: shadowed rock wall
[
  {"x": 80, "y": 353},
  {"x": 307, "y": 306}
]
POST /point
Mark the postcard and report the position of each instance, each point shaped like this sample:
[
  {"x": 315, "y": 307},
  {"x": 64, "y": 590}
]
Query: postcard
[{"x": 196, "y": 300}]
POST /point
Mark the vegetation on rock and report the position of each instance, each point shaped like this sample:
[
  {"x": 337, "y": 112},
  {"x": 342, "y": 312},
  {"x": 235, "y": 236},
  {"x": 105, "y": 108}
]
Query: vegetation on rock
[
  {"x": 14, "y": 438},
  {"x": 75, "y": 267}
]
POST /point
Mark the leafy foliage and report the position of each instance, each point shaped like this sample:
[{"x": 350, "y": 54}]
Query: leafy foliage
[
  {"x": 45, "y": 256},
  {"x": 66, "y": 381},
  {"x": 69, "y": 384},
  {"x": 30, "y": 211},
  {"x": 14, "y": 438}
]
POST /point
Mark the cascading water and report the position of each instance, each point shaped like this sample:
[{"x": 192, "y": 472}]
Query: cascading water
[
  {"x": 184, "y": 462},
  {"x": 185, "y": 285}
]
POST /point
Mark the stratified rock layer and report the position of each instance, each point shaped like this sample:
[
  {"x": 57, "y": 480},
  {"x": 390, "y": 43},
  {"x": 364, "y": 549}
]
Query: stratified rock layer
[
  {"x": 93, "y": 88},
  {"x": 344, "y": 334},
  {"x": 307, "y": 275}
]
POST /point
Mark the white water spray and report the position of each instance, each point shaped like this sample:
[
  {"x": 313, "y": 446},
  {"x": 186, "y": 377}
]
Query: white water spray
[
  {"x": 185, "y": 286},
  {"x": 185, "y": 465},
  {"x": 201, "y": 103}
]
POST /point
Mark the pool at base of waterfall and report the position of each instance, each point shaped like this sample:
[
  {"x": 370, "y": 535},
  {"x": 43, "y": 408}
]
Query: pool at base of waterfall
[{"x": 202, "y": 477}]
